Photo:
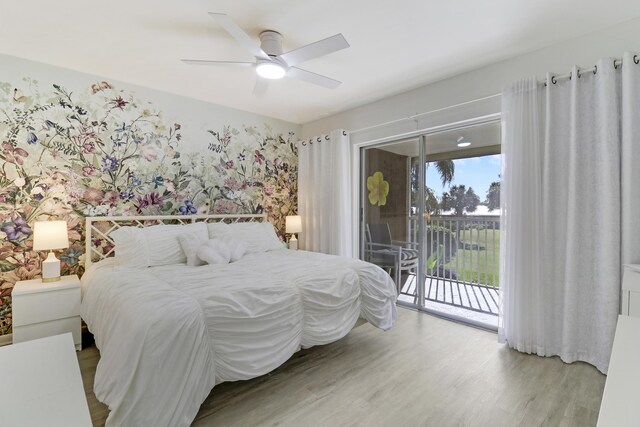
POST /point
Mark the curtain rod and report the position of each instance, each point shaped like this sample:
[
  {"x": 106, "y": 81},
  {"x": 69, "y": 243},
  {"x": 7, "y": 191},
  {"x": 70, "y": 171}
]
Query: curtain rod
[
  {"x": 554, "y": 79},
  {"x": 424, "y": 114}
]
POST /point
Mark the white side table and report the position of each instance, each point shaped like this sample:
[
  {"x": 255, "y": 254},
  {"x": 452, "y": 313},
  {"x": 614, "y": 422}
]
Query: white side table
[
  {"x": 44, "y": 309},
  {"x": 42, "y": 385}
]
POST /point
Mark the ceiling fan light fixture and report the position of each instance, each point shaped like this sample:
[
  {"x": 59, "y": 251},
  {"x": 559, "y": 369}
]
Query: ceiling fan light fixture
[
  {"x": 270, "y": 70},
  {"x": 270, "y": 61}
]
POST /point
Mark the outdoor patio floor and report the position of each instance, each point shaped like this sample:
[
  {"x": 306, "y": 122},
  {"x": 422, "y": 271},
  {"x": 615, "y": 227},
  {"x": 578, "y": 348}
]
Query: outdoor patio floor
[{"x": 471, "y": 301}]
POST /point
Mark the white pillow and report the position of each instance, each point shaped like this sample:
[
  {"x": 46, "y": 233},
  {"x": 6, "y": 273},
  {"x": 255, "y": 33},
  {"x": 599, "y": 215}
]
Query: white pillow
[
  {"x": 190, "y": 242},
  {"x": 131, "y": 247},
  {"x": 214, "y": 251},
  {"x": 237, "y": 249},
  {"x": 258, "y": 236},
  {"x": 218, "y": 230},
  {"x": 152, "y": 246},
  {"x": 164, "y": 246}
]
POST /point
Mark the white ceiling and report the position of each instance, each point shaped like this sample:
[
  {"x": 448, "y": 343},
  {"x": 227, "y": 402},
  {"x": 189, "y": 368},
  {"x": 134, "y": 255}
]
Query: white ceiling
[{"x": 395, "y": 46}]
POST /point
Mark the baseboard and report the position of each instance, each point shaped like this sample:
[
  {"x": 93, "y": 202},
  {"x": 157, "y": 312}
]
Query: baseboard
[{"x": 6, "y": 339}]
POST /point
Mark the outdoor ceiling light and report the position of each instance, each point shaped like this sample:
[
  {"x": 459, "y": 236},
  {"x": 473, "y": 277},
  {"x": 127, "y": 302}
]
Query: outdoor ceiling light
[
  {"x": 270, "y": 70},
  {"x": 462, "y": 143}
]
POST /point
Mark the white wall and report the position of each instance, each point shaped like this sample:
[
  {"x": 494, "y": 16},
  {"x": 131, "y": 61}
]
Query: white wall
[{"x": 489, "y": 80}]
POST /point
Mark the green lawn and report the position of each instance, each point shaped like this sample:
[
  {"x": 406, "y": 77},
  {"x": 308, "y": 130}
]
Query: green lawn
[{"x": 478, "y": 265}]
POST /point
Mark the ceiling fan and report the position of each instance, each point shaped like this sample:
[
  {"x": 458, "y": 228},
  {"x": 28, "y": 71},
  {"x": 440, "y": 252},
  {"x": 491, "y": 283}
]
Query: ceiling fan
[{"x": 271, "y": 62}]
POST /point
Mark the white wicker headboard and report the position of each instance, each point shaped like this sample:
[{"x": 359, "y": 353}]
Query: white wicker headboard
[{"x": 98, "y": 244}]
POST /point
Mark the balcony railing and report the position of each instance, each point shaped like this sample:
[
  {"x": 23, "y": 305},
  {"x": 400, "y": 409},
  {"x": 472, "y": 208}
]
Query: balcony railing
[{"x": 461, "y": 261}]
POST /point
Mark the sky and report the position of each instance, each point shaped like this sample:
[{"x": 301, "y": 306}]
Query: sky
[{"x": 475, "y": 172}]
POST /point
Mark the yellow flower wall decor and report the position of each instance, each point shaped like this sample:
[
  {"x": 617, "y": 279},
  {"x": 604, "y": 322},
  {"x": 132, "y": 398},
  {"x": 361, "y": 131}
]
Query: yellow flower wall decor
[{"x": 378, "y": 189}]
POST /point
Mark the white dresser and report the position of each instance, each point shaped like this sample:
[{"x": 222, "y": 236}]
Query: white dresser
[
  {"x": 631, "y": 290},
  {"x": 42, "y": 385},
  {"x": 43, "y": 309},
  {"x": 620, "y": 407}
]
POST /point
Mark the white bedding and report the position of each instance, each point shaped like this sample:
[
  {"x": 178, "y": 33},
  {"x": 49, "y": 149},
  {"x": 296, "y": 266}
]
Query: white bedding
[{"x": 168, "y": 334}]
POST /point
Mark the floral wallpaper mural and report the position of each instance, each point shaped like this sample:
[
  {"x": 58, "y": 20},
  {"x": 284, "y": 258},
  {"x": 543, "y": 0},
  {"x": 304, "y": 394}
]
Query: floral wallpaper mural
[{"x": 101, "y": 151}]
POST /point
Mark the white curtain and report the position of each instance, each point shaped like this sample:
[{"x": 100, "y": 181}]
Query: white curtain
[
  {"x": 570, "y": 193},
  {"x": 324, "y": 193}
]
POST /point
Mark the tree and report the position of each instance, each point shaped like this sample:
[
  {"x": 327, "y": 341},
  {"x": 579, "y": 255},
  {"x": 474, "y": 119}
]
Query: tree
[
  {"x": 460, "y": 199},
  {"x": 432, "y": 205},
  {"x": 493, "y": 196},
  {"x": 446, "y": 170}
]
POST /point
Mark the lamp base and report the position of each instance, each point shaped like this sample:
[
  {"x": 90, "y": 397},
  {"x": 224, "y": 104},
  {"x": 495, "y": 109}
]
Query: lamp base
[
  {"x": 51, "y": 269},
  {"x": 293, "y": 243}
]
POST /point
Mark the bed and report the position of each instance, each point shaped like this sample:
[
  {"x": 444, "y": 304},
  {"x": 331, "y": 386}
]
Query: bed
[{"x": 168, "y": 332}]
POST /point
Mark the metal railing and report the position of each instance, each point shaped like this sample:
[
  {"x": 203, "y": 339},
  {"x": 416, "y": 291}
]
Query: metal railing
[{"x": 461, "y": 256}]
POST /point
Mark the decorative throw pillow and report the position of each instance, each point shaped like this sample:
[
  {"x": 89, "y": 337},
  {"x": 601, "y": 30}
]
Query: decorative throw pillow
[
  {"x": 190, "y": 243},
  {"x": 237, "y": 249},
  {"x": 214, "y": 251}
]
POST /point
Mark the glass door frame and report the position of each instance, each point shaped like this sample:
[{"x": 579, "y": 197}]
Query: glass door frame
[{"x": 359, "y": 180}]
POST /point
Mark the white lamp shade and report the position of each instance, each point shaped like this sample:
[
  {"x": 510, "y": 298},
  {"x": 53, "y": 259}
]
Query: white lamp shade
[
  {"x": 294, "y": 224},
  {"x": 50, "y": 235}
]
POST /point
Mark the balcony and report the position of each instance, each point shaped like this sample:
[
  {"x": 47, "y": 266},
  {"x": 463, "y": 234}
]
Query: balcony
[{"x": 461, "y": 266}]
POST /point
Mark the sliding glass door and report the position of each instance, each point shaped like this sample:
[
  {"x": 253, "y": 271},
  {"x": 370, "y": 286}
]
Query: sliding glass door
[{"x": 429, "y": 216}]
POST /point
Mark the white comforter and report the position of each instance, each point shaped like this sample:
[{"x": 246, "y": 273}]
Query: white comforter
[{"x": 168, "y": 334}]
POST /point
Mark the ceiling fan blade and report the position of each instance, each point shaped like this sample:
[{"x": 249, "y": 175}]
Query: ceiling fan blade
[
  {"x": 207, "y": 62},
  {"x": 315, "y": 50},
  {"x": 238, "y": 33},
  {"x": 314, "y": 78},
  {"x": 261, "y": 87}
]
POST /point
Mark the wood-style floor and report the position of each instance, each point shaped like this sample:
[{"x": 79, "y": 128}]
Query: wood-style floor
[{"x": 425, "y": 371}]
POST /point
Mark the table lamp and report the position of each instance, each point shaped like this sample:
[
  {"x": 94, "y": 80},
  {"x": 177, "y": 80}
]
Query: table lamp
[
  {"x": 293, "y": 226},
  {"x": 49, "y": 236}
]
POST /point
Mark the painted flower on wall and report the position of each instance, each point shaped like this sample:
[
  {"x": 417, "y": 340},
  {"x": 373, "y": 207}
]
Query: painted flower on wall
[
  {"x": 101, "y": 152},
  {"x": 378, "y": 189}
]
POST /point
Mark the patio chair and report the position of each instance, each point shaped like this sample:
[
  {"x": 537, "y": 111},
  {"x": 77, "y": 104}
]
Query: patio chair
[{"x": 394, "y": 256}]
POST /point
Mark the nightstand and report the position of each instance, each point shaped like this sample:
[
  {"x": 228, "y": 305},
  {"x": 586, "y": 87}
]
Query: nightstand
[{"x": 44, "y": 309}]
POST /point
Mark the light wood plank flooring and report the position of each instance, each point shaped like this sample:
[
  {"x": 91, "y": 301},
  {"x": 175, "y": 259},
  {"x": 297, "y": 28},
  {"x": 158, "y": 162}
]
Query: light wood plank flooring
[{"x": 425, "y": 371}]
